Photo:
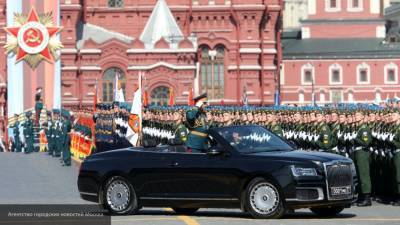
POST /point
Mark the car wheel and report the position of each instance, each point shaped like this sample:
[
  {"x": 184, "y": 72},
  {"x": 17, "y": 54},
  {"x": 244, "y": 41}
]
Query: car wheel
[
  {"x": 263, "y": 200},
  {"x": 327, "y": 211},
  {"x": 185, "y": 211},
  {"x": 120, "y": 197}
]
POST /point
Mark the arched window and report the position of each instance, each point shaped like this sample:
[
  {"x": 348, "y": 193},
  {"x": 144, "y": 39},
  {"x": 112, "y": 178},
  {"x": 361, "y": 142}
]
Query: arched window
[
  {"x": 115, "y": 3},
  {"x": 363, "y": 73},
  {"x": 212, "y": 72},
  {"x": 160, "y": 96},
  {"x": 109, "y": 83},
  {"x": 335, "y": 74},
  {"x": 391, "y": 73},
  {"x": 307, "y": 74}
]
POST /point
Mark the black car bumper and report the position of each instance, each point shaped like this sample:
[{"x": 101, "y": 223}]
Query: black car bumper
[
  {"x": 314, "y": 193},
  {"x": 88, "y": 187}
]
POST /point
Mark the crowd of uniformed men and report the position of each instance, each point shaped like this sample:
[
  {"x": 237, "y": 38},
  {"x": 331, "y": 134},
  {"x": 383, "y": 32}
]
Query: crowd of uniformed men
[
  {"x": 368, "y": 134},
  {"x": 57, "y": 128}
]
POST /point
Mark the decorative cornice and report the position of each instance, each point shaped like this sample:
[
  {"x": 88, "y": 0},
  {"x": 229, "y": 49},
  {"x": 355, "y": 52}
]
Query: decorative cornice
[
  {"x": 68, "y": 51},
  {"x": 152, "y": 66},
  {"x": 71, "y": 68},
  {"x": 90, "y": 51},
  {"x": 161, "y": 50},
  {"x": 251, "y": 67},
  {"x": 342, "y": 21}
]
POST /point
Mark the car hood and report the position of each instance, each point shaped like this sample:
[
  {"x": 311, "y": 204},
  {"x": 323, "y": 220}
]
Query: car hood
[{"x": 299, "y": 155}]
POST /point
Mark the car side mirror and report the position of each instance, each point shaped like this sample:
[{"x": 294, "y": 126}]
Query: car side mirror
[{"x": 213, "y": 151}]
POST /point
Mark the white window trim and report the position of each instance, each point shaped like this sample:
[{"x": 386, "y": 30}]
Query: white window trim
[
  {"x": 361, "y": 67},
  {"x": 352, "y": 97},
  {"x": 328, "y": 6},
  {"x": 305, "y": 67},
  {"x": 282, "y": 78},
  {"x": 331, "y": 95},
  {"x": 305, "y": 33},
  {"x": 391, "y": 66},
  {"x": 335, "y": 67},
  {"x": 378, "y": 93},
  {"x": 350, "y": 7},
  {"x": 322, "y": 96},
  {"x": 301, "y": 93}
]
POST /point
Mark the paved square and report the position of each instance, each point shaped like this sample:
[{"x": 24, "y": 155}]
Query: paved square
[{"x": 40, "y": 179}]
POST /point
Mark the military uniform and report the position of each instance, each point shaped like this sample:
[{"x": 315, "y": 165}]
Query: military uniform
[
  {"x": 17, "y": 141},
  {"x": 324, "y": 141},
  {"x": 66, "y": 141},
  {"x": 396, "y": 161},
  {"x": 363, "y": 141},
  {"x": 28, "y": 133},
  {"x": 198, "y": 128},
  {"x": 181, "y": 132},
  {"x": 57, "y": 139}
]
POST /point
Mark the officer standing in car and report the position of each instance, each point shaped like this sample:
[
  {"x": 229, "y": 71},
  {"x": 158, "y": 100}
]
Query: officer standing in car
[{"x": 198, "y": 126}]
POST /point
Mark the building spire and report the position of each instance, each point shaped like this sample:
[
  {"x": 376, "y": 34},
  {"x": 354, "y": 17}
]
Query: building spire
[{"x": 161, "y": 24}]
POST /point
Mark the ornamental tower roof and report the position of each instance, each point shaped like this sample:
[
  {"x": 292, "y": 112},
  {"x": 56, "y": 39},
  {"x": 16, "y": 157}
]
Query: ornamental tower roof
[{"x": 161, "y": 24}]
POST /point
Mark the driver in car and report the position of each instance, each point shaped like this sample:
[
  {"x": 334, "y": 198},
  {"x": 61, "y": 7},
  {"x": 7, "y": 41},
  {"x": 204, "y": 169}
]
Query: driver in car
[
  {"x": 237, "y": 141},
  {"x": 198, "y": 126}
]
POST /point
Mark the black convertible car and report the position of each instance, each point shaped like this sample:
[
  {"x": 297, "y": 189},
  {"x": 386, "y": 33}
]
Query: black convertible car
[{"x": 245, "y": 167}]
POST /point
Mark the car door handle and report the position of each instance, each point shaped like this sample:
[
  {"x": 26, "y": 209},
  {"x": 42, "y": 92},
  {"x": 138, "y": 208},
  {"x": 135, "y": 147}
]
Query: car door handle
[{"x": 173, "y": 164}]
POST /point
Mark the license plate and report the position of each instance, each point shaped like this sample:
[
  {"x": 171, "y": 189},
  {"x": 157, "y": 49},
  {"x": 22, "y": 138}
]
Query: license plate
[{"x": 341, "y": 190}]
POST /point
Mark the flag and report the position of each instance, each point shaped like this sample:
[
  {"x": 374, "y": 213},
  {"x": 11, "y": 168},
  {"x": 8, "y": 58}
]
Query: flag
[
  {"x": 171, "y": 97},
  {"x": 135, "y": 117},
  {"x": 95, "y": 97},
  {"x": 190, "y": 97},
  {"x": 145, "y": 99},
  {"x": 118, "y": 92}
]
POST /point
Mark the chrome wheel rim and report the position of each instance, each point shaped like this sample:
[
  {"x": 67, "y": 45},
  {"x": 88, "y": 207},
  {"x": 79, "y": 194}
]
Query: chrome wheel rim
[
  {"x": 118, "y": 195},
  {"x": 264, "y": 198}
]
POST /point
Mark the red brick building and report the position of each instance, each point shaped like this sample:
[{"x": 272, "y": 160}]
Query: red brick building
[
  {"x": 342, "y": 54},
  {"x": 217, "y": 46}
]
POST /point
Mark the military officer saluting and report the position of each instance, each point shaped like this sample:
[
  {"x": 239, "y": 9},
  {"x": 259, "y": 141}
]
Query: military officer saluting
[{"x": 197, "y": 124}]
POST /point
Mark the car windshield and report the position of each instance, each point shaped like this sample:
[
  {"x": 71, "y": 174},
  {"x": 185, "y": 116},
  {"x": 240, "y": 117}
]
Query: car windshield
[{"x": 253, "y": 139}]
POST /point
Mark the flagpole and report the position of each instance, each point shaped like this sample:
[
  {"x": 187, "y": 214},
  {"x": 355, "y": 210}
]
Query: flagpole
[{"x": 141, "y": 110}]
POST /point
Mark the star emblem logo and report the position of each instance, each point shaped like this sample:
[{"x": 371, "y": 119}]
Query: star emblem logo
[{"x": 33, "y": 38}]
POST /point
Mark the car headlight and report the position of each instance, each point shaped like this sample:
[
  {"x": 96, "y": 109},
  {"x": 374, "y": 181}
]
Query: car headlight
[{"x": 300, "y": 172}]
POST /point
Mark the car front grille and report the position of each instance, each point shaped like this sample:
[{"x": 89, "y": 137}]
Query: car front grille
[
  {"x": 339, "y": 180},
  {"x": 307, "y": 194}
]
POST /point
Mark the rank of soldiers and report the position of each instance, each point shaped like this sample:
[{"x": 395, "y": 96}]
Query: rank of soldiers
[
  {"x": 81, "y": 136},
  {"x": 29, "y": 135},
  {"x": 111, "y": 124},
  {"x": 368, "y": 134}
]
